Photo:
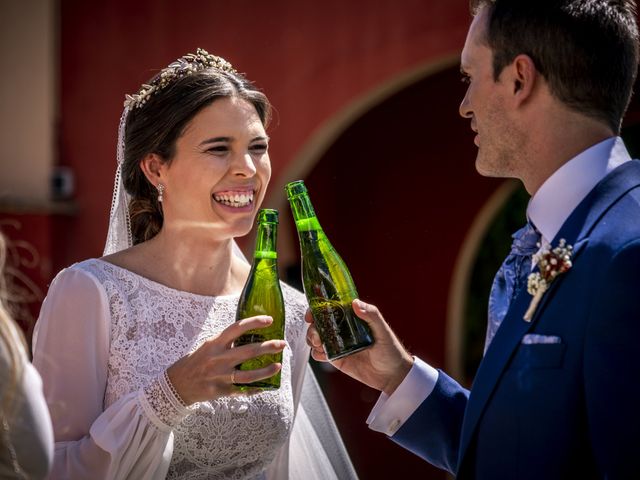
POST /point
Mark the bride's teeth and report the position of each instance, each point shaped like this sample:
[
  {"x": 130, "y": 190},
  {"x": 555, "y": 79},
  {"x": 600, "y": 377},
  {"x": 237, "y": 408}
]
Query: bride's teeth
[{"x": 237, "y": 200}]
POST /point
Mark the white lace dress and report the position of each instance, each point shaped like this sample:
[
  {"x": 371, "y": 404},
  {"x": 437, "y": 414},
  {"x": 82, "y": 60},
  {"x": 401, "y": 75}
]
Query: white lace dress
[{"x": 103, "y": 340}]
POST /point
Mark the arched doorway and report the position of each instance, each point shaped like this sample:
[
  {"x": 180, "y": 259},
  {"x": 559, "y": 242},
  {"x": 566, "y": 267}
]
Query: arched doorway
[{"x": 396, "y": 193}]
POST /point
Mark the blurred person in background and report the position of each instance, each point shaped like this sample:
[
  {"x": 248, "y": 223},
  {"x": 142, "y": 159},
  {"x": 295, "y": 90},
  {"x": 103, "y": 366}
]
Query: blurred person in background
[{"x": 26, "y": 435}]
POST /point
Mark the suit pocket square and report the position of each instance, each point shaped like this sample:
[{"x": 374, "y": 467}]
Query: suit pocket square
[
  {"x": 536, "y": 339},
  {"x": 539, "y": 351}
]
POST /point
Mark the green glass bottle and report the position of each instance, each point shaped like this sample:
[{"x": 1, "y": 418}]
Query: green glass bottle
[
  {"x": 262, "y": 295},
  {"x": 327, "y": 282}
]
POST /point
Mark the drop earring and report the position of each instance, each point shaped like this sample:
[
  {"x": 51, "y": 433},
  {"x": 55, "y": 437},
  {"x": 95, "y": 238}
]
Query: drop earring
[{"x": 160, "y": 188}]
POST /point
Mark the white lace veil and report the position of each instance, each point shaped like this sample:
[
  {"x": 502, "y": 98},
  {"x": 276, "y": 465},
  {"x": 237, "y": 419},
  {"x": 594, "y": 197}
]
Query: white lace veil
[
  {"x": 119, "y": 233},
  {"x": 316, "y": 450}
]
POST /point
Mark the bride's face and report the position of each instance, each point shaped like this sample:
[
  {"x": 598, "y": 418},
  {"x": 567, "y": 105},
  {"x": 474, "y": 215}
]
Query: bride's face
[{"x": 220, "y": 171}]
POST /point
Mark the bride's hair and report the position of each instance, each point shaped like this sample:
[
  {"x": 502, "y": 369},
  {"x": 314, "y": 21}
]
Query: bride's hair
[{"x": 156, "y": 124}]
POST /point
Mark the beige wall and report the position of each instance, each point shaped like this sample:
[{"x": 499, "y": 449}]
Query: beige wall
[{"x": 27, "y": 99}]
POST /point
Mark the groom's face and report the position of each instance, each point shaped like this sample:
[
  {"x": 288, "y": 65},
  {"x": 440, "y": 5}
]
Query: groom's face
[{"x": 486, "y": 104}]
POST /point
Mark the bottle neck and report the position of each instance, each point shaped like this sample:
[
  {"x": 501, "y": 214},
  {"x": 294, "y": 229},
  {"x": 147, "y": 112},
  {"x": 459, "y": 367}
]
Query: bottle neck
[
  {"x": 266, "y": 241},
  {"x": 303, "y": 213}
]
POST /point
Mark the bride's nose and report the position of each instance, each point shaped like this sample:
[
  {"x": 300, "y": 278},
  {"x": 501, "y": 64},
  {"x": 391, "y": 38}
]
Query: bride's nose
[{"x": 243, "y": 165}]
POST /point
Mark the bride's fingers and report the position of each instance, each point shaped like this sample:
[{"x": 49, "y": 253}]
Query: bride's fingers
[
  {"x": 236, "y": 329},
  {"x": 249, "y": 376},
  {"x": 253, "y": 350}
]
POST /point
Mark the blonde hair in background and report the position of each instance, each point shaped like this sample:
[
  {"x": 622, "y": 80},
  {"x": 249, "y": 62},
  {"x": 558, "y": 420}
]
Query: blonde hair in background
[
  {"x": 11, "y": 342},
  {"x": 14, "y": 346}
]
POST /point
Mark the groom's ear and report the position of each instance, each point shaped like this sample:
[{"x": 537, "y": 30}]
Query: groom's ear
[
  {"x": 152, "y": 167},
  {"x": 523, "y": 75}
]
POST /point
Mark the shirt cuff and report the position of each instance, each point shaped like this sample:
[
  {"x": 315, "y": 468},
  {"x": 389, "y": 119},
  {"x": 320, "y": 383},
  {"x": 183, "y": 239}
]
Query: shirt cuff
[{"x": 391, "y": 411}]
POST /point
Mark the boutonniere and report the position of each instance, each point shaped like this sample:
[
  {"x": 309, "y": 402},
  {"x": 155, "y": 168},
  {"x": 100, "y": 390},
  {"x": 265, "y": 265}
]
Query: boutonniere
[{"x": 551, "y": 263}]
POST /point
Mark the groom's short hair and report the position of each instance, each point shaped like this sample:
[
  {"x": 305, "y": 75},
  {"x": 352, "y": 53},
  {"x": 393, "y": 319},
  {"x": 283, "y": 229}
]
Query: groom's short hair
[{"x": 587, "y": 50}]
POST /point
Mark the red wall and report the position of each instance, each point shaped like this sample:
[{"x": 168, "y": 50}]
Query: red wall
[
  {"x": 311, "y": 58},
  {"x": 29, "y": 263}
]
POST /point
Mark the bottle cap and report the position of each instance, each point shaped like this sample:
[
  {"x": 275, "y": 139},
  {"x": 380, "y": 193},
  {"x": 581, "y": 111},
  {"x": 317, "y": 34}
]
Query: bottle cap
[
  {"x": 295, "y": 188},
  {"x": 267, "y": 215}
]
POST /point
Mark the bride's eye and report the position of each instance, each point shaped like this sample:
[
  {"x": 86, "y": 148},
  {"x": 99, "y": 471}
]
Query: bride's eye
[
  {"x": 218, "y": 149},
  {"x": 259, "y": 148}
]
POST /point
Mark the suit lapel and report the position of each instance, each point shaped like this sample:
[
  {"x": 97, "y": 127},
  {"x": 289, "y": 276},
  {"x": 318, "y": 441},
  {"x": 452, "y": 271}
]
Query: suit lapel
[
  {"x": 575, "y": 231},
  {"x": 495, "y": 360}
]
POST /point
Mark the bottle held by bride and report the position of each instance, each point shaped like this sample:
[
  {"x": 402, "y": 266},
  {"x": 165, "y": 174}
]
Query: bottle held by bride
[
  {"x": 327, "y": 282},
  {"x": 262, "y": 295}
]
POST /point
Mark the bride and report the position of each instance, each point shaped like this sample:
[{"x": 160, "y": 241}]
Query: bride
[{"x": 134, "y": 347}]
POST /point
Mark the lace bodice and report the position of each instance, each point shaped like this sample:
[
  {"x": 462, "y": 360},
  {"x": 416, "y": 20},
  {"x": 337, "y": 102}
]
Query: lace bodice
[{"x": 151, "y": 327}]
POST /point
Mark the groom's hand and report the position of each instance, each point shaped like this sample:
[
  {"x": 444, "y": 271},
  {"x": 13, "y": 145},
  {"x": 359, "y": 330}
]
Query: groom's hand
[{"x": 382, "y": 366}]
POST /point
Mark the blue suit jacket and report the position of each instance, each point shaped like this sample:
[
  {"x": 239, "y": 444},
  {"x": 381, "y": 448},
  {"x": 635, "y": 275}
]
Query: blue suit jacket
[{"x": 564, "y": 410}]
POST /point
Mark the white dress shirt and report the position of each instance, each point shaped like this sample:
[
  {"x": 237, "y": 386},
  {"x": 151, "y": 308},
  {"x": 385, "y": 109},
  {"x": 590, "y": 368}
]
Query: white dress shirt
[{"x": 548, "y": 209}]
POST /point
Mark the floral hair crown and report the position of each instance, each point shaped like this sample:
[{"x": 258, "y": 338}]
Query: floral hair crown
[{"x": 190, "y": 63}]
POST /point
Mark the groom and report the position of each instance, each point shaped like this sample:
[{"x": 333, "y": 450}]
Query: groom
[{"x": 557, "y": 394}]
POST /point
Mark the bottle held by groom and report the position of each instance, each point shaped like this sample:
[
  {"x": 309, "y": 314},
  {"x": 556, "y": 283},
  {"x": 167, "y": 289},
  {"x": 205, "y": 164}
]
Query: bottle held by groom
[{"x": 557, "y": 393}]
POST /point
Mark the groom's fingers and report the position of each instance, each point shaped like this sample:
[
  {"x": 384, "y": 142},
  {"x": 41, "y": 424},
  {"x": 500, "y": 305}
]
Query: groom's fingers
[
  {"x": 313, "y": 340},
  {"x": 318, "y": 354},
  {"x": 313, "y": 337},
  {"x": 308, "y": 317},
  {"x": 370, "y": 314},
  {"x": 367, "y": 312}
]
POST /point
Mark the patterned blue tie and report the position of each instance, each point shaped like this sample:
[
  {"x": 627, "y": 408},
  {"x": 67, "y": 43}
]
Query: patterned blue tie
[{"x": 511, "y": 277}]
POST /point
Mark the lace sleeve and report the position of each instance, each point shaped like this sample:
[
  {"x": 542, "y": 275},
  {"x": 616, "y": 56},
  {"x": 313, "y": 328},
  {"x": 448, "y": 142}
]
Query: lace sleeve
[
  {"x": 161, "y": 404},
  {"x": 71, "y": 351}
]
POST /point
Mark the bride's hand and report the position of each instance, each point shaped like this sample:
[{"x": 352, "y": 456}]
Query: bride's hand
[
  {"x": 382, "y": 366},
  {"x": 209, "y": 372}
]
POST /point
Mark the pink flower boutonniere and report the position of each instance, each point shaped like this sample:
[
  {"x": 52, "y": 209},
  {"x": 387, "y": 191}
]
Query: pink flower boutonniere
[{"x": 551, "y": 263}]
